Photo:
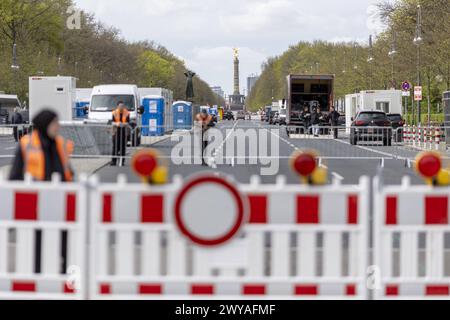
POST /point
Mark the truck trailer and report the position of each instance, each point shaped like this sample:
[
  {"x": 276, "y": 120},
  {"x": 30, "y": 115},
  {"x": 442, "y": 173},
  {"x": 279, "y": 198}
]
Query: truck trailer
[
  {"x": 309, "y": 90},
  {"x": 387, "y": 101}
]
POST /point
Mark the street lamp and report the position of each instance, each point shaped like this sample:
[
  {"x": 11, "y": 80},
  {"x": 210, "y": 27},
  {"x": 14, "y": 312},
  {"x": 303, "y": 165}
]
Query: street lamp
[
  {"x": 59, "y": 65},
  {"x": 392, "y": 53},
  {"x": 15, "y": 66},
  {"x": 370, "y": 60},
  {"x": 418, "y": 40}
]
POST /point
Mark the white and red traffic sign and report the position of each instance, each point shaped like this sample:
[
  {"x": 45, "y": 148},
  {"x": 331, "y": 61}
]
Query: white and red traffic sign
[
  {"x": 209, "y": 211},
  {"x": 418, "y": 93}
]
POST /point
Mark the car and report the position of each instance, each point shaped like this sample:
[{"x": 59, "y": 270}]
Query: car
[
  {"x": 272, "y": 114},
  {"x": 241, "y": 115},
  {"x": 229, "y": 116},
  {"x": 276, "y": 118},
  {"x": 373, "y": 126},
  {"x": 397, "y": 125},
  {"x": 282, "y": 117}
]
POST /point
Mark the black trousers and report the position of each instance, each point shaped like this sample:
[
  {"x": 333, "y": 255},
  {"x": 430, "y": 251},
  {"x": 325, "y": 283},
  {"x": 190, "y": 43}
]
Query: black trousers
[{"x": 119, "y": 145}]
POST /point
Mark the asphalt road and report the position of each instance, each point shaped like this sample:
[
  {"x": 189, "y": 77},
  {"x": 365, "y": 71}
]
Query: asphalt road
[
  {"x": 7, "y": 149},
  {"x": 344, "y": 161}
]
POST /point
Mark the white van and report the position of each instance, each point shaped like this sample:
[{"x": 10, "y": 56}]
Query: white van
[{"x": 104, "y": 101}]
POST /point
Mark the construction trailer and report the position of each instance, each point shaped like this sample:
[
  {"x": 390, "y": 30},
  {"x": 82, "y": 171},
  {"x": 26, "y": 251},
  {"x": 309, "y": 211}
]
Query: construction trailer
[
  {"x": 388, "y": 101},
  {"x": 55, "y": 93}
]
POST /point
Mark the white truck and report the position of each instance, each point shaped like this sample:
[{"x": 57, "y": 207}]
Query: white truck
[
  {"x": 388, "y": 101},
  {"x": 55, "y": 93}
]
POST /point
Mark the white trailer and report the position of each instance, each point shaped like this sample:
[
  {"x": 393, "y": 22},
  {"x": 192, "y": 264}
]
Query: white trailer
[
  {"x": 388, "y": 101},
  {"x": 55, "y": 93}
]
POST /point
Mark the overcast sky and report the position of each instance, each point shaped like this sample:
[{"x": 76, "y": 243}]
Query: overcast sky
[{"x": 203, "y": 32}]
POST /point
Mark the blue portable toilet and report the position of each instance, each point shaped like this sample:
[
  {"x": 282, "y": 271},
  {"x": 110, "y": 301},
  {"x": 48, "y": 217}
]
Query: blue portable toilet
[
  {"x": 80, "y": 109},
  {"x": 182, "y": 115},
  {"x": 153, "y": 116}
]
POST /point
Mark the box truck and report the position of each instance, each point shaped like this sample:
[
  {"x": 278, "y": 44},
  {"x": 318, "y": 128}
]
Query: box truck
[
  {"x": 311, "y": 90},
  {"x": 388, "y": 101},
  {"x": 55, "y": 93}
]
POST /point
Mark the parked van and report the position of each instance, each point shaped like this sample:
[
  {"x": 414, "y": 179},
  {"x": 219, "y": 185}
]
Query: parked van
[{"x": 104, "y": 101}]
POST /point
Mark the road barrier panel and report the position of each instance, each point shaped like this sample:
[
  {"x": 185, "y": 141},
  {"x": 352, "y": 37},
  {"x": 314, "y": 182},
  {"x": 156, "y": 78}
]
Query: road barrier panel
[
  {"x": 42, "y": 240},
  {"x": 412, "y": 235},
  {"x": 291, "y": 245}
]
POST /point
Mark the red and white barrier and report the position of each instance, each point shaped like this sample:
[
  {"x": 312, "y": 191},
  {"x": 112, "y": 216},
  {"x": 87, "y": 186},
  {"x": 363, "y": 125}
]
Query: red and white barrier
[
  {"x": 38, "y": 224},
  {"x": 290, "y": 247},
  {"x": 412, "y": 241}
]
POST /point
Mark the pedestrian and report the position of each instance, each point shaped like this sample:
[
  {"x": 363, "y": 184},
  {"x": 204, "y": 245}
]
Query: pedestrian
[
  {"x": 315, "y": 122},
  {"x": 121, "y": 121},
  {"x": 334, "y": 121},
  {"x": 17, "y": 120},
  {"x": 204, "y": 120},
  {"x": 43, "y": 152},
  {"x": 306, "y": 117}
]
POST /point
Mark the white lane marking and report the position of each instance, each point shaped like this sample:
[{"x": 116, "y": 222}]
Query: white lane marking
[
  {"x": 219, "y": 150},
  {"x": 10, "y": 148},
  {"x": 371, "y": 150},
  {"x": 334, "y": 174},
  {"x": 337, "y": 176}
]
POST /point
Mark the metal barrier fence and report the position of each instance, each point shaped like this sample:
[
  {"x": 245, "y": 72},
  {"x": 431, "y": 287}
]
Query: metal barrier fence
[
  {"x": 295, "y": 242},
  {"x": 102, "y": 141}
]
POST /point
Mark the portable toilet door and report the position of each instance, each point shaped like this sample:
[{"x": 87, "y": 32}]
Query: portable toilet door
[
  {"x": 182, "y": 115},
  {"x": 153, "y": 116}
]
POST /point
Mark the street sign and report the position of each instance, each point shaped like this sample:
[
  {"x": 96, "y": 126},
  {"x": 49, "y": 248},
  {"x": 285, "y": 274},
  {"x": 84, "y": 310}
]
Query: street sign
[
  {"x": 417, "y": 93},
  {"x": 209, "y": 211},
  {"x": 406, "y": 93},
  {"x": 406, "y": 86}
]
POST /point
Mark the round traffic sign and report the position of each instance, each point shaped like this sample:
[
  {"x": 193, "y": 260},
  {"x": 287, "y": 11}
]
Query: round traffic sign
[
  {"x": 406, "y": 86},
  {"x": 209, "y": 211}
]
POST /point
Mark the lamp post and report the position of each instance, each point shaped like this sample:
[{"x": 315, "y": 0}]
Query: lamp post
[
  {"x": 370, "y": 61},
  {"x": 15, "y": 66},
  {"x": 392, "y": 53},
  {"x": 418, "y": 40}
]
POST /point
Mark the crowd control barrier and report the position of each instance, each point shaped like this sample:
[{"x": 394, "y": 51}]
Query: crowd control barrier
[
  {"x": 290, "y": 245},
  {"x": 42, "y": 240},
  {"x": 412, "y": 231},
  {"x": 207, "y": 237}
]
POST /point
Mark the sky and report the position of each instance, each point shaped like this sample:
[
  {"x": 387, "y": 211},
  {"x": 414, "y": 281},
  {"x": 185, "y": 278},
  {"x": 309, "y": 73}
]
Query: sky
[{"x": 204, "y": 32}]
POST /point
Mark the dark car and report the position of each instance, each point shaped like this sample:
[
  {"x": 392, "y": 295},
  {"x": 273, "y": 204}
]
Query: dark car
[
  {"x": 272, "y": 116},
  {"x": 241, "y": 115},
  {"x": 228, "y": 115},
  {"x": 397, "y": 126},
  {"x": 371, "y": 126}
]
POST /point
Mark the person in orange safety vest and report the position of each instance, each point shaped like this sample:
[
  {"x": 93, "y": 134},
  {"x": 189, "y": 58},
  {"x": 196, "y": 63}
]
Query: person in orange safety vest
[
  {"x": 43, "y": 152},
  {"x": 121, "y": 120}
]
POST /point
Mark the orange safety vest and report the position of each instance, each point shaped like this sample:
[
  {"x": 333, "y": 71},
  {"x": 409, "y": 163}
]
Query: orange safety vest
[
  {"x": 118, "y": 119},
  {"x": 34, "y": 158}
]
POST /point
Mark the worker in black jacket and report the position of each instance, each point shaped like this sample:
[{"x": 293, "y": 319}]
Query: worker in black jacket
[
  {"x": 315, "y": 121},
  {"x": 334, "y": 121},
  {"x": 16, "y": 120}
]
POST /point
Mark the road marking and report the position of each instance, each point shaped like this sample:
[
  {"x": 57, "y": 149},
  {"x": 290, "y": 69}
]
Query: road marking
[
  {"x": 10, "y": 148},
  {"x": 371, "y": 150},
  {"x": 337, "y": 176}
]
